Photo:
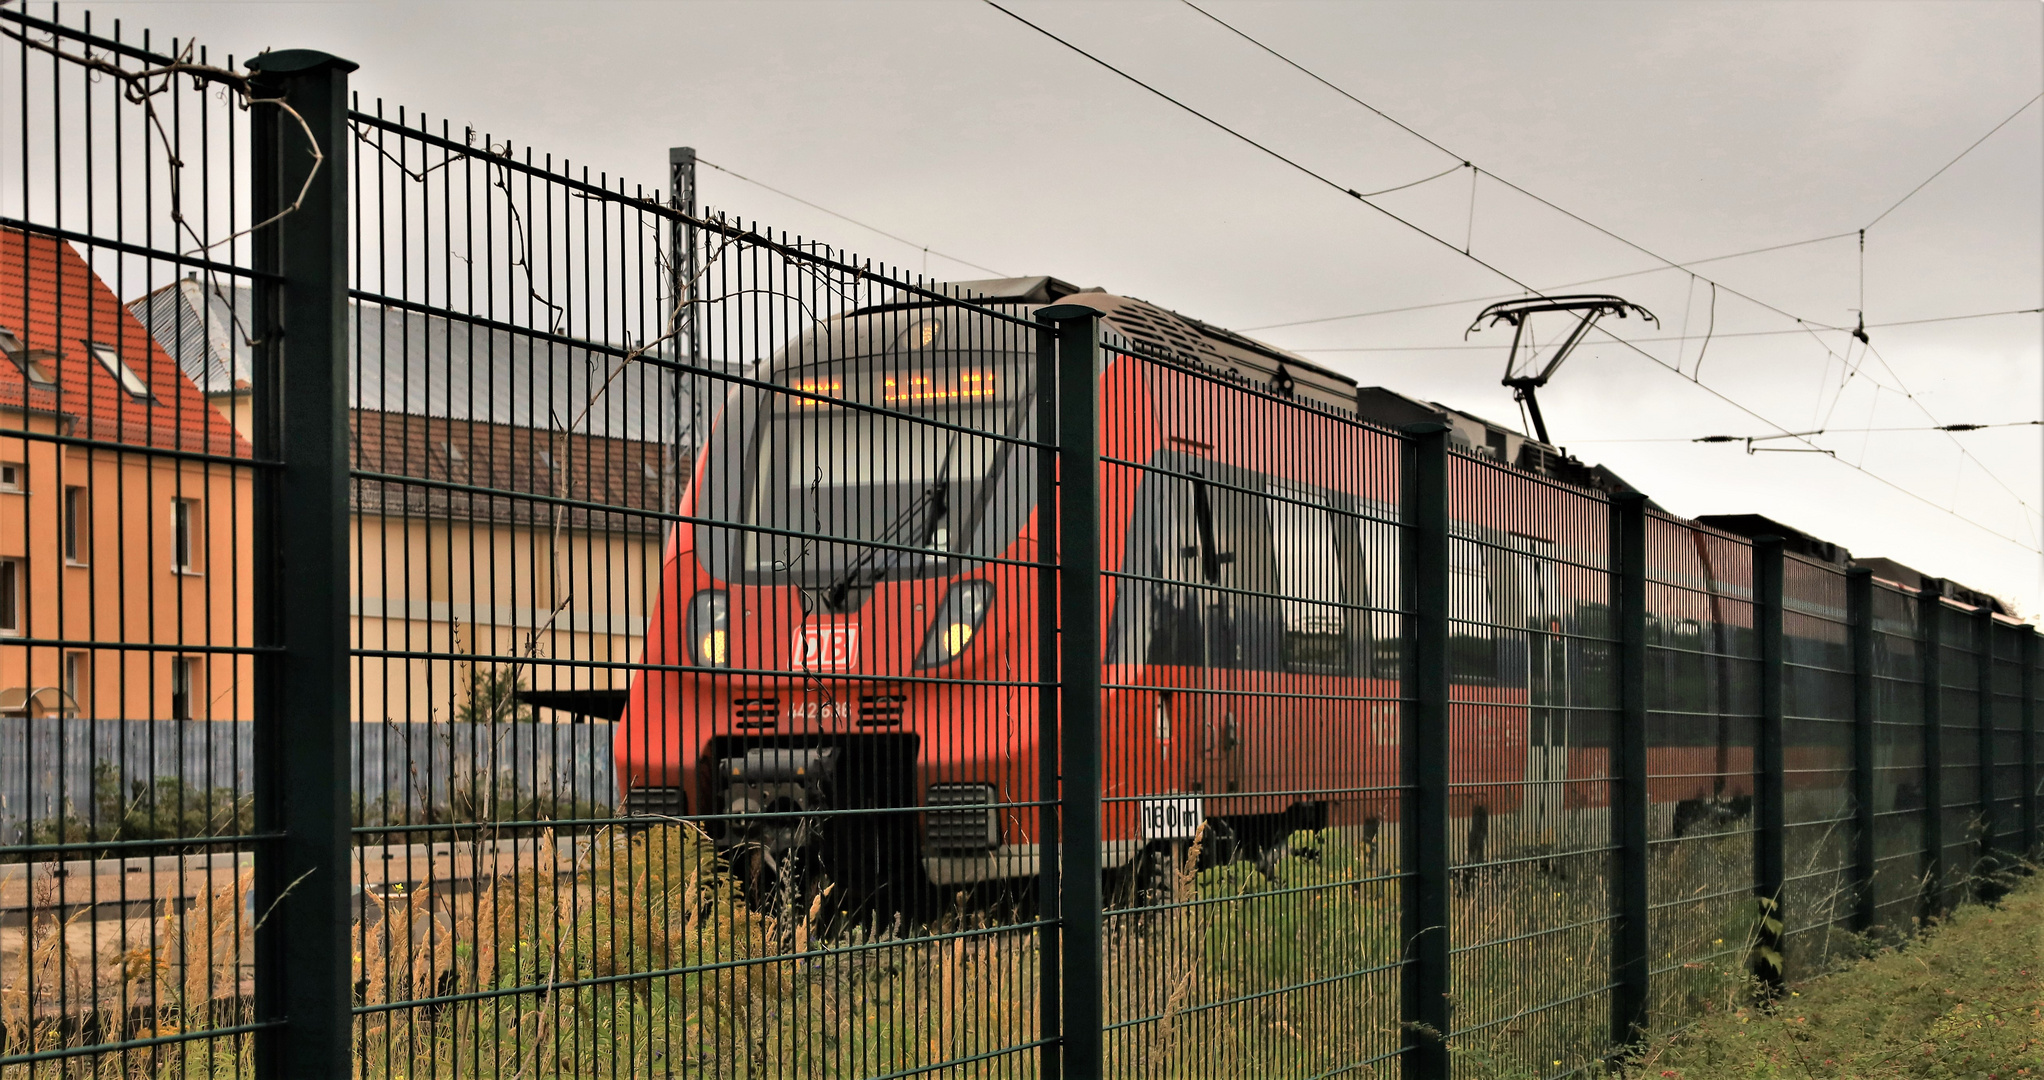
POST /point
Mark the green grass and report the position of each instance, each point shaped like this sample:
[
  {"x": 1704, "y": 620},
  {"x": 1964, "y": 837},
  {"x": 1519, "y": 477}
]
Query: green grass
[{"x": 1965, "y": 1000}]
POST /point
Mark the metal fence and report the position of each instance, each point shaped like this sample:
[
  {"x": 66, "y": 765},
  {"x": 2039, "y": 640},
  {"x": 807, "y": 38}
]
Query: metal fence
[{"x": 468, "y": 615}]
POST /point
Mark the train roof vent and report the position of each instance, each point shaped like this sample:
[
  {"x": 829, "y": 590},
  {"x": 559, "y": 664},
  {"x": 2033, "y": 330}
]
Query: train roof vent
[
  {"x": 1917, "y": 579},
  {"x": 1792, "y": 539}
]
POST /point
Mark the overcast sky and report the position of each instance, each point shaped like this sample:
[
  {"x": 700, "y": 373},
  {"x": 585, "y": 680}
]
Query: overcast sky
[{"x": 1690, "y": 129}]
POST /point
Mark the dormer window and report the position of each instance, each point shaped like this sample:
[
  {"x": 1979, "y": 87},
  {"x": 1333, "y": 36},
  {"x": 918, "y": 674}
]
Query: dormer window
[
  {"x": 118, "y": 368},
  {"x": 31, "y": 364}
]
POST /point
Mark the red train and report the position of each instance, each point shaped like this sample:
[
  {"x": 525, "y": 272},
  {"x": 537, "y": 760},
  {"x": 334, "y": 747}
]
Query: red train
[{"x": 870, "y": 704}]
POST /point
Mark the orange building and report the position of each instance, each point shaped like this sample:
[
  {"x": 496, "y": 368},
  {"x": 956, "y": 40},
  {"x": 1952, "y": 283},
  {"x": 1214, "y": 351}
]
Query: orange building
[{"x": 125, "y": 510}]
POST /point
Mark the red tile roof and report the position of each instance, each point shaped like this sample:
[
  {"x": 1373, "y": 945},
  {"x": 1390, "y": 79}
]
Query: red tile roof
[{"x": 53, "y": 301}]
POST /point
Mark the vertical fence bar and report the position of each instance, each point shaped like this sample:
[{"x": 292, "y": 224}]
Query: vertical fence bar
[
  {"x": 1930, "y": 612},
  {"x": 1079, "y": 959},
  {"x": 1859, "y": 592},
  {"x": 2029, "y": 708},
  {"x": 1631, "y": 949},
  {"x": 1049, "y": 1061},
  {"x": 303, "y": 963},
  {"x": 1423, "y": 749},
  {"x": 1770, "y": 840},
  {"x": 1983, "y": 639}
]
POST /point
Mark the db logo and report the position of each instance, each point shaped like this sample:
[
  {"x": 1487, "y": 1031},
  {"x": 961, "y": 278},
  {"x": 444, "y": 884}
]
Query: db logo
[{"x": 827, "y": 648}]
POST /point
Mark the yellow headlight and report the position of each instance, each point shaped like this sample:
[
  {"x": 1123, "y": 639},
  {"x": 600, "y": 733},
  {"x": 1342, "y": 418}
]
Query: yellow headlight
[
  {"x": 956, "y": 637},
  {"x": 714, "y": 647}
]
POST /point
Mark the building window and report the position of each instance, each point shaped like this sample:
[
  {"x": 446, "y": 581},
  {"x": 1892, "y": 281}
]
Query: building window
[
  {"x": 77, "y": 526},
  {"x": 184, "y": 535},
  {"x": 31, "y": 363},
  {"x": 184, "y": 687},
  {"x": 77, "y": 680},
  {"x": 13, "y": 477},
  {"x": 10, "y": 596},
  {"x": 118, "y": 368}
]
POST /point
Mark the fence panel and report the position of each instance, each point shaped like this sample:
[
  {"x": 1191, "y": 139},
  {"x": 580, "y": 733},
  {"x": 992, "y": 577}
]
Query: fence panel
[
  {"x": 1900, "y": 815},
  {"x": 731, "y": 689},
  {"x": 1252, "y": 683},
  {"x": 126, "y": 636},
  {"x": 1703, "y": 702},
  {"x": 1817, "y": 689},
  {"x": 777, "y": 517},
  {"x": 2005, "y": 762},
  {"x": 1535, "y": 676},
  {"x": 1960, "y": 647}
]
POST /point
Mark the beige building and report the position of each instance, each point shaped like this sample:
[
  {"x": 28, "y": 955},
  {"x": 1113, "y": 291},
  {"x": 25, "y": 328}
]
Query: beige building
[{"x": 486, "y": 553}]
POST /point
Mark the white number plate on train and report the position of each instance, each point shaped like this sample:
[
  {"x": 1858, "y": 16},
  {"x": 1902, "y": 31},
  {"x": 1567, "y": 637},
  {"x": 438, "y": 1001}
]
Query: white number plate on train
[{"x": 1172, "y": 818}]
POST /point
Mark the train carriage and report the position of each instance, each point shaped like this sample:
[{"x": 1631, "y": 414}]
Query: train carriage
[{"x": 841, "y": 664}]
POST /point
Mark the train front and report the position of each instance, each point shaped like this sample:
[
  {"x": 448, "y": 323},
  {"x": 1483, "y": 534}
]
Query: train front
[{"x": 836, "y": 681}]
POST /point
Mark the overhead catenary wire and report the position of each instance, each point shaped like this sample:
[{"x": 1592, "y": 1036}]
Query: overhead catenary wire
[
  {"x": 924, "y": 248},
  {"x": 1500, "y": 272},
  {"x": 1563, "y": 285},
  {"x": 1947, "y": 165},
  {"x": 1821, "y": 431},
  {"x": 1556, "y": 207},
  {"x": 1679, "y": 337},
  {"x": 1858, "y": 332}
]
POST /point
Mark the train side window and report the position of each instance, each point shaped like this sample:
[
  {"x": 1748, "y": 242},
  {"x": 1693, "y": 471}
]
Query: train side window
[
  {"x": 1472, "y": 639},
  {"x": 1242, "y": 626},
  {"x": 1530, "y": 612},
  {"x": 1307, "y": 561},
  {"x": 1379, "y": 539},
  {"x": 1158, "y": 611}
]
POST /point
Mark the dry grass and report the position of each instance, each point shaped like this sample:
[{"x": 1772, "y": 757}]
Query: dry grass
[
  {"x": 68, "y": 981},
  {"x": 646, "y": 960}
]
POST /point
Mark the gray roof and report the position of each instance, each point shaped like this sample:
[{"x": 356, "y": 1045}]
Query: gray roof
[{"x": 434, "y": 366}]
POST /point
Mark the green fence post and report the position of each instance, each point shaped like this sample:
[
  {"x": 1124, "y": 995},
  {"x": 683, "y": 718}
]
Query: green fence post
[
  {"x": 1078, "y": 523},
  {"x": 2030, "y": 778},
  {"x": 1423, "y": 741},
  {"x": 1630, "y": 946},
  {"x": 1983, "y": 637},
  {"x": 1049, "y": 981},
  {"x": 302, "y": 897},
  {"x": 1770, "y": 839},
  {"x": 1930, "y": 611},
  {"x": 1859, "y": 593}
]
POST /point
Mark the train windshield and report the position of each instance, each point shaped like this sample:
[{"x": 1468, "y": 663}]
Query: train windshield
[{"x": 872, "y": 469}]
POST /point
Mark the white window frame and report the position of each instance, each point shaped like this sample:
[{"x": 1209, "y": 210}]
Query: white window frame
[
  {"x": 19, "y": 485},
  {"x": 24, "y": 358},
  {"x": 185, "y": 533},
  {"x": 77, "y": 678},
  {"x": 110, "y": 359},
  {"x": 77, "y": 526}
]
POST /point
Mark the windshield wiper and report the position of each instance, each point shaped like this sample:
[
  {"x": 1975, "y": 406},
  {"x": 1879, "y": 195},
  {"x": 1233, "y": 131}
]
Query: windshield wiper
[{"x": 937, "y": 495}]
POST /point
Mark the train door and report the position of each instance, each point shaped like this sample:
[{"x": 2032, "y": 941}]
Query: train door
[
  {"x": 1163, "y": 622},
  {"x": 1314, "y": 719},
  {"x": 1547, "y": 691},
  {"x": 1225, "y": 703},
  {"x": 1180, "y": 637}
]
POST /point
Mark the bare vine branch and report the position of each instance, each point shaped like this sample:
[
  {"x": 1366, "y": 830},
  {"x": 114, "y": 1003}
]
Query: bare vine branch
[{"x": 141, "y": 86}]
